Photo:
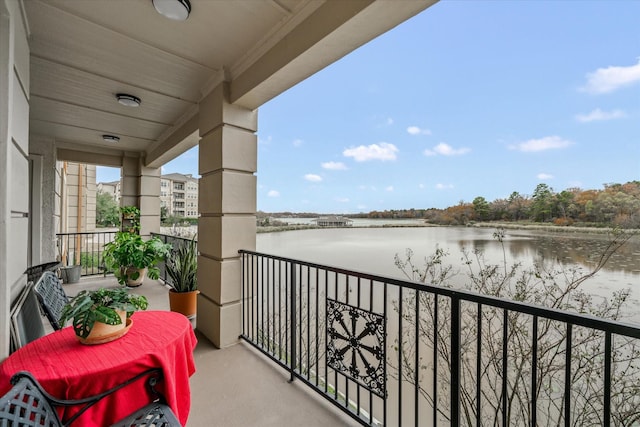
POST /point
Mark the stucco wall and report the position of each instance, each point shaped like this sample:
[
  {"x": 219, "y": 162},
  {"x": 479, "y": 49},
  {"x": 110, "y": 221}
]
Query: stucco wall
[{"x": 14, "y": 164}]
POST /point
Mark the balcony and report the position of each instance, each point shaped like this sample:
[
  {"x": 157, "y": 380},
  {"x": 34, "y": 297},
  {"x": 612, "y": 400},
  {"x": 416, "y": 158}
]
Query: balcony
[{"x": 381, "y": 351}]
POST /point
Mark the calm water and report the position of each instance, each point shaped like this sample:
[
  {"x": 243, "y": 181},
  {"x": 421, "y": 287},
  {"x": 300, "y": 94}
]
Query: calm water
[{"x": 372, "y": 250}]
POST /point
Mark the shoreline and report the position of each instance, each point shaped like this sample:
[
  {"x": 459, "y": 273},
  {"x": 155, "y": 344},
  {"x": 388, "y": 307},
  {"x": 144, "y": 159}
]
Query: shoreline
[{"x": 505, "y": 225}]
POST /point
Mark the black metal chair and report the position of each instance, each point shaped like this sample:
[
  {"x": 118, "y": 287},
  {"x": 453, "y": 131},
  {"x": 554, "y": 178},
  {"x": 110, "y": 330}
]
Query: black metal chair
[
  {"x": 35, "y": 271},
  {"x": 27, "y": 404},
  {"x": 25, "y": 319},
  {"x": 52, "y": 298}
]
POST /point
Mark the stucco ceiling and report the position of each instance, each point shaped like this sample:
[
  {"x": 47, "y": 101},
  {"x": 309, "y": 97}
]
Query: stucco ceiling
[{"x": 83, "y": 52}]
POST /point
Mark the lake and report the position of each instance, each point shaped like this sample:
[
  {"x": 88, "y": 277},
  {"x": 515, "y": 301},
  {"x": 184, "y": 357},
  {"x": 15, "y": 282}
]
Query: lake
[{"x": 372, "y": 250}]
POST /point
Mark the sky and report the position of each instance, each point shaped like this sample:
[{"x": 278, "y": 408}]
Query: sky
[{"x": 466, "y": 99}]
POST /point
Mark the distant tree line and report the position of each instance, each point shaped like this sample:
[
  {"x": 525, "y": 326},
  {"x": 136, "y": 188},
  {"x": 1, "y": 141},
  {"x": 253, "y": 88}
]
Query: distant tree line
[{"x": 614, "y": 205}]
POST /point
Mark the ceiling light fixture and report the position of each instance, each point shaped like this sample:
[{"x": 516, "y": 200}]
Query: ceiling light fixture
[
  {"x": 128, "y": 100},
  {"x": 111, "y": 138},
  {"x": 177, "y": 10}
]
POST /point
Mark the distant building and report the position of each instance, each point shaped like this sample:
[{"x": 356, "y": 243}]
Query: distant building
[
  {"x": 333, "y": 221},
  {"x": 76, "y": 197},
  {"x": 179, "y": 195},
  {"x": 110, "y": 188}
]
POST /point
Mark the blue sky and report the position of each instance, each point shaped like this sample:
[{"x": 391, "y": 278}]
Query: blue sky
[{"x": 467, "y": 99}]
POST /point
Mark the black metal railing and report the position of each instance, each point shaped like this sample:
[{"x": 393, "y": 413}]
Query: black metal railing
[
  {"x": 394, "y": 352},
  {"x": 176, "y": 242},
  {"x": 84, "y": 249}
]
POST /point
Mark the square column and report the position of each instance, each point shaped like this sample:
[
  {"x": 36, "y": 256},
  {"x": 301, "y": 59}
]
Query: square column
[
  {"x": 141, "y": 188},
  {"x": 227, "y": 206}
]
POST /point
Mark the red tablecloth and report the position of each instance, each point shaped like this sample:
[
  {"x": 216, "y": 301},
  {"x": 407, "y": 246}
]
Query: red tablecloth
[{"x": 70, "y": 370}]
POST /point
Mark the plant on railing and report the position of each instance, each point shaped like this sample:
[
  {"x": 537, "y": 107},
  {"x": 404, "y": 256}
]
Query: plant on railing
[
  {"x": 130, "y": 219},
  {"x": 539, "y": 285}
]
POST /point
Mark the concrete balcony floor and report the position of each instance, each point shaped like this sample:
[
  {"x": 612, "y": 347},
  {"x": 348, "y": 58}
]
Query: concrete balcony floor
[{"x": 237, "y": 386}]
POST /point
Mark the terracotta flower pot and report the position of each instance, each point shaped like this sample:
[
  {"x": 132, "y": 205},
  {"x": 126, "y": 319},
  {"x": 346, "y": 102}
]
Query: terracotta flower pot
[
  {"x": 183, "y": 302},
  {"x": 102, "y": 333}
]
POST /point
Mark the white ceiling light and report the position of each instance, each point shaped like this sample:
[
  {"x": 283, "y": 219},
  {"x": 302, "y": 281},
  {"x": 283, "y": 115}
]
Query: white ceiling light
[
  {"x": 173, "y": 9},
  {"x": 111, "y": 138},
  {"x": 128, "y": 100}
]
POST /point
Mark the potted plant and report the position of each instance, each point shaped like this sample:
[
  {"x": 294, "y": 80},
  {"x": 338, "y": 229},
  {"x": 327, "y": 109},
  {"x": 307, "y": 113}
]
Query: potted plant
[
  {"x": 130, "y": 257},
  {"x": 102, "y": 315},
  {"x": 130, "y": 219},
  {"x": 182, "y": 269}
]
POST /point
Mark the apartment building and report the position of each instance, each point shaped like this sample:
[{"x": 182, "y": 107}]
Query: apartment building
[
  {"x": 110, "y": 188},
  {"x": 179, "y": 195}
]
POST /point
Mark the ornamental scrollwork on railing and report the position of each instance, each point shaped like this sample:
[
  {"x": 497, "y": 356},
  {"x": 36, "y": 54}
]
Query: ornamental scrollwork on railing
[{"x": 356, "y": 345}]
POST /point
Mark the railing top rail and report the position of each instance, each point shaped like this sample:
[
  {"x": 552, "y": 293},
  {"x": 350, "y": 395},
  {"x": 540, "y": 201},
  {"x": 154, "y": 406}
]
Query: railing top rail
[
  {"x": 577, "y": 319},
  {"x": 86, "y": 233},
  {"x": 188, "y": 239}
]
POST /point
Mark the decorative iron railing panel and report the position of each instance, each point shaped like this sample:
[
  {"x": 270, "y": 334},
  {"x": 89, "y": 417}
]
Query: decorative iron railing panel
[
  {"x": 84, "y": 249},
  {"x": 393, "y": 352}
]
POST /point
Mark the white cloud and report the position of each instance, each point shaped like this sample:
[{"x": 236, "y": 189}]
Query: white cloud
[
  {"x": 389, "y": 188},
  {"x": 421, "y": 186},
  {"x": 362, "y": 207},
  {"x": 446, "y": 150},
  {"x": 273, "y": 193},
  {"x": 265, "y": 141},
  {"x": 389, "y": 121},
  {"x": 544, "y": 176},
  {"x": 542, "y": 144},
  {"x": 334, "y": 166},
  {"x": 313, "y": 177},
  {"x": 415, "y": 130},
  {"x": 598, "y": 114},
  {"x": 297, "y": 142},
  {"x": 444, "y": 186},
  {"x": 342, "y": 199},
  {"x": 606, "y": 80},
  {"x": 383, "y": 151}
]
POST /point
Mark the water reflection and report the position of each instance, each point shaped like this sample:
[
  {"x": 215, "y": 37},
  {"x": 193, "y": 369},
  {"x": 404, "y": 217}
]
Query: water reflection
[{"x": 372, "y": 250}]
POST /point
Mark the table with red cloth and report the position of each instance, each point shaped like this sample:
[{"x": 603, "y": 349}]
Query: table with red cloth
[{"x": 68, "y": 369}]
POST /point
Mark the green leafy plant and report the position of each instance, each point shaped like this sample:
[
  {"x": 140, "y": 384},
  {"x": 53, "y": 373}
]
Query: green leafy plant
[
  {"x": 100, "y": 305},
  {"x": 130, "y": 250},
  {"x": 130, "y": 212},
  {"x": 130, "y": 218},
  {"x": 182, "y": 267}
]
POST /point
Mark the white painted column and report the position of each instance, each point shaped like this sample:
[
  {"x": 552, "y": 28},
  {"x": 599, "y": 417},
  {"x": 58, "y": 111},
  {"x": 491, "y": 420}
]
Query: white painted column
[
  {"x": 227, "y": 206},
  {"x": 45, "y": 199}
]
